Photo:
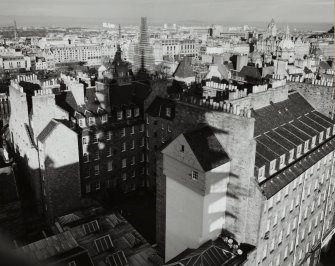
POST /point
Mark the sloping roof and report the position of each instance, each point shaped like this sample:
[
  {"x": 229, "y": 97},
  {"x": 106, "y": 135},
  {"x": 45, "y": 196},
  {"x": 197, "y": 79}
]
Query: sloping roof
[
  {"x": 274, "y": 115},
  {"x": 206, "y": 148},
  {"x": 47, "y": 130},
  {"x": 49, "y": 247},
  {"x": 184, "y": 69},
  {"x": 324, "y": 65},
  {"x": 250, "y": 71}
]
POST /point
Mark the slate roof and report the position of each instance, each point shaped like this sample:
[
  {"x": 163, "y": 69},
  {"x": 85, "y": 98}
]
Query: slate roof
[
  {"x": 47, "y": 130},
  {"x": 274, "y": 184},
  {"x": 158, "y": 108},
  {"x": 49, "y": 247},
  {"x": 324, "y": 65},
  {"x": 206, "y": 148},
  {"x": 250, "y": 71},
  {"x": 282, "y": 127},
  {"x": 184, "y": 69}
]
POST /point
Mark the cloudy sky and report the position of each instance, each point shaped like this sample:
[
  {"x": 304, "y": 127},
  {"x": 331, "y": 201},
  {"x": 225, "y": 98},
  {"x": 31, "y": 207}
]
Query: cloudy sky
[{"x": 65, "y": 12}]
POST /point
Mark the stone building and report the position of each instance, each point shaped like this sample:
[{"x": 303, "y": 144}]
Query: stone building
[{"x": 277, "y": 190}]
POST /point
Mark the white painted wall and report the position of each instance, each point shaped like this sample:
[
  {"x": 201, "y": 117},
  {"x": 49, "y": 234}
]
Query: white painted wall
[{"x": 184, "y": 209}]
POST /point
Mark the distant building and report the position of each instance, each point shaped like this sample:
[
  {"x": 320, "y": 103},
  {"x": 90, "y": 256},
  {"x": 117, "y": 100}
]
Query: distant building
[
  {"x": 277, "y": 190},
  {"x": 14, "y": 61},
  {"x": 143, "y": 51}
]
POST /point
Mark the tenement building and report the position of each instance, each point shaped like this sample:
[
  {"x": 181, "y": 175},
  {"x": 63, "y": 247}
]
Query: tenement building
[{"x": 259, "y": 166}]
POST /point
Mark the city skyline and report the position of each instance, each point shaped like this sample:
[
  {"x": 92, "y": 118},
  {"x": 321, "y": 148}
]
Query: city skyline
[{"x": 62, "y": 13}]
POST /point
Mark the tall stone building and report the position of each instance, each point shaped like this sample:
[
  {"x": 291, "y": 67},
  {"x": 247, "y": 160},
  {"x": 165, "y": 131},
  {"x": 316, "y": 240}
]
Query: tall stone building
[{"x": 274, "y": 190}]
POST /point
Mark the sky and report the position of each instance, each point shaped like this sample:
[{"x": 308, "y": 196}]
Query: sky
[{"x": 90, "y": 12}]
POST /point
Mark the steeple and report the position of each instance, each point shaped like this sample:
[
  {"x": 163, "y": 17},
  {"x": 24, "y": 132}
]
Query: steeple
[
  {"x": 15, "y": 30},
  {"x": 120, "y": 35}
]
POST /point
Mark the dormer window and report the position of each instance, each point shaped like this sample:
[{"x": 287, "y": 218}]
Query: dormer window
[
  {"x": 272, "y": 166},
  {"x": 327, "y": 133},
  {"x": 299, "y": 151},
  {"x": 321, "y": 137},
  {"x": 282, "y": 161},
  {"x": 291, "y": 156},
  {"x": 91, "y": 121},
  {"x": 168, "y": 112},
  {"x": 85, "y": 140},
  {"x": 119, "y": 115},
  {"x": 313, "y": 141},
  {"x": 128, "y": 113},
  {"x": 182, "y": 148},
  {"x": 261, "y": 173},
  {"x": 104, "y": 118},
  {"x": 136, "y": 112},
  {"x": 306, "y": 146},
  {"x": 81, "y": 122}
]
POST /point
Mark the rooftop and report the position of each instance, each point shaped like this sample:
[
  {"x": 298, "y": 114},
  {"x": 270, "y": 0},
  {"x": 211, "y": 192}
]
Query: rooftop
[{"x": 206, "y": 147}]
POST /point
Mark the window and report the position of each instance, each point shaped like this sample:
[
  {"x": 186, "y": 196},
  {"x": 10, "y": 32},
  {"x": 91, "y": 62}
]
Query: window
[
  {"x": 95, "y": 138},
  {"x": 136, "y": 112},
  {"x": 91, "y": 120},
  {"x": 270, "y": 203},
  {"x": 132, "y": 162},
  {"x": 275, "y": 219},
  {"x": 109, "y": 151},
  {"x": 124, "y": 163},
  {"x": 265, "y": 251},
  {"x": 282, "y": 161},
  {"x": 133, "y": 174},
  {"x": 168, "y": 112},
  {"x": 286, "y": 191},
  {"x": 278, "y": 260},
  {"x": 85, "y": 157},
  {"x": 313, "y": 141},
  {"x": 299, "y": 151},
  {"x": 103, "y": 244},
  {"x": 291, "y": 156},
  {"x": 267, "y": 226},
  {"x": 142, "y": 128},
  {"x": 283, "y": 213},
  {"x": 123, "y": 132},
  {"x": 272, "y": 166},
  {"x": 96, "y": 155},
  {"x": 280, "y": 239},
  {"x": 132, "y": 144},
  {"x": 306, "y": 146},
  {"x": 110, "y": 166},
  {"x": 327, "y": 133},
  {"x": 96, "y": 169},
  {"x": 261, "y": 173},
  {"x": 119, "y": 115},
  {"x": 85, "y": 140},
  {"x": 128, "y": 113},
  {"x": 182, "y": 148},
  {"x": 272, "y": 247},
  {"x": 124, "y": 176},
  {"x": 278, "y": 196},
  {"x": 169, "y": 128},
  {"x": 109, "y": 135},
  {"x": 142, "y": 142},
  {"x": 97, "y": 185},
  {"x": 285, "y": 252},
  {"x": 132, "y": 131},
  {"x": 123, "y": 147},
  {"x": 81, "y": 122},
  {"x": 321, "y": 137},
  {"x": 297, "y": 200},
  {"x": 288, "y": 229},
  {"x": 88, "y": 188},
  {"x": 104, "y": 118},
  {"x": 313, "y": 206},
  {"x": 194, "y": 175}
]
